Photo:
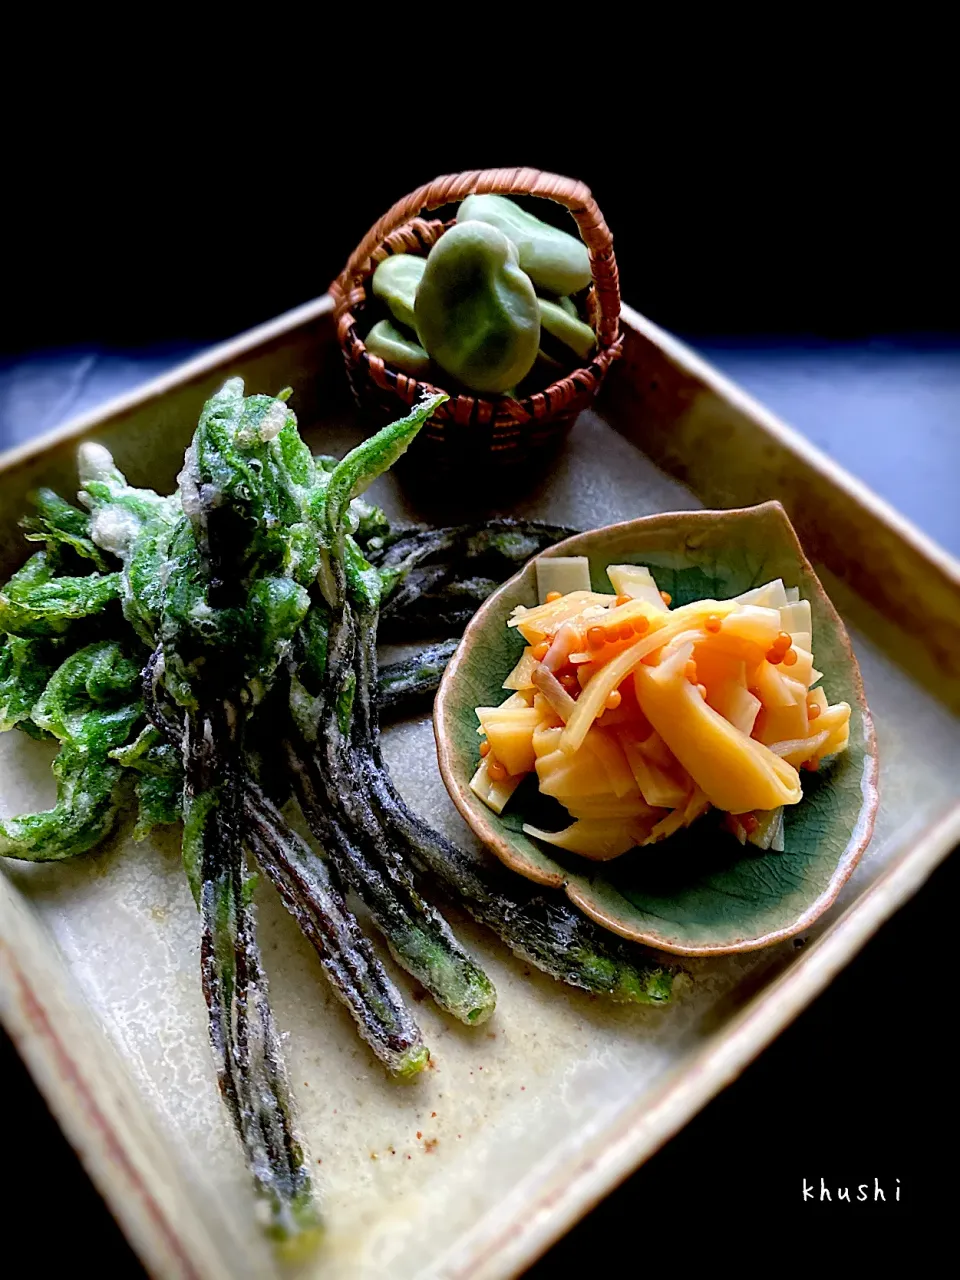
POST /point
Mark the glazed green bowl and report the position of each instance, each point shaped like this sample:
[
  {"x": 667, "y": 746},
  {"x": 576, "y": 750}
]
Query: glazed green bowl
[{"x": 699, "y": 892}]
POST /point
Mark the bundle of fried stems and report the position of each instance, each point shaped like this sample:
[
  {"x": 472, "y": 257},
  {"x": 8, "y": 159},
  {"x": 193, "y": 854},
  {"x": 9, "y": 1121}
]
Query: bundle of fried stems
[{"x": 276, "y": 581}]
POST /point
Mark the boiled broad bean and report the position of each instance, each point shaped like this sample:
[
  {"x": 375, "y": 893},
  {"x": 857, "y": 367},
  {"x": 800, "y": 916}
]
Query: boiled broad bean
[
  {"x": 554, "y": 260},
  {"x": 476, "y": 310}
]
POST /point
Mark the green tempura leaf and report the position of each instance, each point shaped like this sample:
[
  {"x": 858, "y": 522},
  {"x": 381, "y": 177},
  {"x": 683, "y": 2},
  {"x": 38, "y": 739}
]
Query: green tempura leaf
[
  {"x": 25, "y": 668},
  {"x": 149, "y": 754},
  {"x": 159, "y": 801},
  {"x": 88, "y": 798},
  {"x": 330, "y": 504},
  {"x": 363, "y": 580},
  {"x": 257, "y": 475},
  {"x": 35, "y": 603},
  {"x": 248, "y": 483},
  {"x": 38, "y": 569},
  {"x": 57, "y": 523},
  {"x": 314, "y": 640},
  {"x": 372, "y": 458},
  {"x": 102, "y": 484},
  {"x": 277, "y": 608},
  {"x": 136, "y": 526},
  {"x": 92, "y": 700},
  {"x": 90, "y": 703}
]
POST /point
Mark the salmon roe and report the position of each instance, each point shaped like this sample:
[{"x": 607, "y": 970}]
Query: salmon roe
[
  {"x": 484, "y": 748},
  {"x": 789, "y": 658},
  {"x": 551, "y": 596},
  {"x": 712, "y": 623},
  {"x": 641, "y": 625},
  {"x": 596, "y": 637},
  {"x": 541, "y": 650},
  {"x": 749, "y": 822},
  {"x": 813, "y": 710},
  {"x": 570, "y": 682},
  {"x": 495, "y": 770},
  {"x": 626, "y": 631},
  {"x": 612, "y": 634},
  {"x": 613, "y": 700},
  {"x": 811, "y": 765},
  {"x": 690, "y": 671},
  {"x": 622, "y": 600},
  {"x": 667, "y": 598},
  {"x": 702, "y": 690}
]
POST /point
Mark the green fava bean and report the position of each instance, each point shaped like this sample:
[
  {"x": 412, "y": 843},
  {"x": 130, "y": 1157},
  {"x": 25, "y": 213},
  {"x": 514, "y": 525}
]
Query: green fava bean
[
  {"x": 396, "y": 281},
  {"x": 477, "y": 313},
  {"x": 395, "y": 348},
  {"x": 554, "y": 260},
  {"x": 570, "y": 330}
]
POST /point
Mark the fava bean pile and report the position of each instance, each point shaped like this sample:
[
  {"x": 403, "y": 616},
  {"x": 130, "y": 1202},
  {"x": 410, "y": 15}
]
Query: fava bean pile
[
  {"x": 214, "y": 651},
  {"x": 493, "y": 301}
]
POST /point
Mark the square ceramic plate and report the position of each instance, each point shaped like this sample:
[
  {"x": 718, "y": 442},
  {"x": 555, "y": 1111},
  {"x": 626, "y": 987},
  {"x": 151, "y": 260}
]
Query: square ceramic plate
[{"x": 527, "y": 1121}]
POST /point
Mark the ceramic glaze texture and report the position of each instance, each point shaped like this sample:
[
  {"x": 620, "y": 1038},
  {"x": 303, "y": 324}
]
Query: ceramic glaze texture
[
  {"x": 699, "y": 892},
  {"x": 510, "y": 1108}
]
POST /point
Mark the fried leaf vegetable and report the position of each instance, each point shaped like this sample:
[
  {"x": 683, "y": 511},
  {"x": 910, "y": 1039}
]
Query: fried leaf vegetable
[
  {"x": 90, "y": 704},
  {"x": 36, "y": 602},
  {"x": 61, "y": 525},
  {"x": 159, "y": 786},
  {"x": 133, "y": 525},
  {"x": 25, "y": 667},
  {"x": 240, "y": 670},
  {"x": 215, "y": 642}
]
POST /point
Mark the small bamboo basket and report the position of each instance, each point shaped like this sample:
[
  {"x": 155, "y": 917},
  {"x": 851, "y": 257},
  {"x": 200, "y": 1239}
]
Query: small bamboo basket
[{"x": 507, "y": 430}]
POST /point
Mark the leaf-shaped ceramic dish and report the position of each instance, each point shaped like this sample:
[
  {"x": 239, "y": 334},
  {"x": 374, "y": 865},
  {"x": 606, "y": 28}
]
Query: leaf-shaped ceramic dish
[{"x": 700, "y": 892}]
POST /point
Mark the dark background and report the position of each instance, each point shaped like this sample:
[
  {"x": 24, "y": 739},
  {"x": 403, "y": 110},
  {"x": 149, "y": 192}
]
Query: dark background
[
  {"x": 821, "y": 233},
  {"x": 840, "y": 228}
]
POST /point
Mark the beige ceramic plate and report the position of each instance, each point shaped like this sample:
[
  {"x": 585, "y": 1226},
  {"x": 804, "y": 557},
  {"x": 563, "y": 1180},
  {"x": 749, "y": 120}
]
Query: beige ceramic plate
[{"x": 99, "y": 958}]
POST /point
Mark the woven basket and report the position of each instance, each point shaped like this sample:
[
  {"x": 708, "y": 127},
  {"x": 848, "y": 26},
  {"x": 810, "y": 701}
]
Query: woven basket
[{"x": 507, "y": 430}]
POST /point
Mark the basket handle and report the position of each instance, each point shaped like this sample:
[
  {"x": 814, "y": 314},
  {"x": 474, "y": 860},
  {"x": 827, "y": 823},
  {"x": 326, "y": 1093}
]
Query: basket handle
[{"x": 452, "y": 188}]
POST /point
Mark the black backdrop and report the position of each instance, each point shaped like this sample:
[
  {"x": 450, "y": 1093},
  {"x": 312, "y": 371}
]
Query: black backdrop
[
  {"x": 195, "y": 236},
  {"x": 837, "y": 229}
]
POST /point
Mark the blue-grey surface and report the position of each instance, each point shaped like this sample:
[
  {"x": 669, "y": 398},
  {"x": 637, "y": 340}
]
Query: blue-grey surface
[
  {"x": 889, "y": 411},
  {"x": 38, "y": 392}
]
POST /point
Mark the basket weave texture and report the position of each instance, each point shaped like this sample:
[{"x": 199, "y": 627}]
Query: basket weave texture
[{"x": 507, "y": 428}]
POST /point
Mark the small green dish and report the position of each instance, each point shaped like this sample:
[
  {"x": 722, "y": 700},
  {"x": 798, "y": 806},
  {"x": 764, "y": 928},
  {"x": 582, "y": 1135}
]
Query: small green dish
[{"x": 699, "y": 892}]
